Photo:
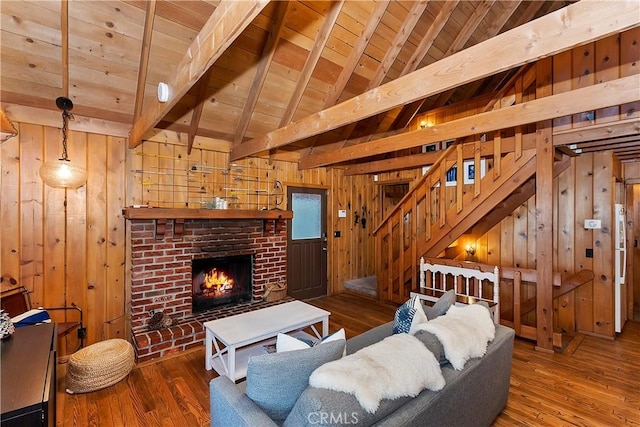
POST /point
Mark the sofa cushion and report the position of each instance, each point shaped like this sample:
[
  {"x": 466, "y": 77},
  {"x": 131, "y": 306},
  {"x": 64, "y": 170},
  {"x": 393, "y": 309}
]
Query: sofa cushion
[
  {"x": 441, "y": 306},
  {"x": 408, "y": 316},
  {"x": 322, "y": 407},
  {"x": 275, "y": 381}
]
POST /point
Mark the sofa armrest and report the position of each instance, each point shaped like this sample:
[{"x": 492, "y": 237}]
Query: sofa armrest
[
  {"x": 229, "y": 406},
  {"x": 367, "y": 338}
]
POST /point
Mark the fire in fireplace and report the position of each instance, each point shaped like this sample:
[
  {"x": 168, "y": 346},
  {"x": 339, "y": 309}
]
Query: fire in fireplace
[{"x": 221, "y": 280}]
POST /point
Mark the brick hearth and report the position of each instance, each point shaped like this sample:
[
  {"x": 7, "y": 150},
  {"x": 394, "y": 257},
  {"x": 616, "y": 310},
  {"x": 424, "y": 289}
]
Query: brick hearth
[{"x": 161, "y": 276}]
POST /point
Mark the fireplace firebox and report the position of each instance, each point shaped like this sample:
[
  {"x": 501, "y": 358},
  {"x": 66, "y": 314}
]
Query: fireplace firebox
[{"x": 221, "y": 280}]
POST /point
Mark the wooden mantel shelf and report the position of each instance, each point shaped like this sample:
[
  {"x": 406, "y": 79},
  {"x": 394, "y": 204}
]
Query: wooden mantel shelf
[
  {"x": 162, "y": 215},
  {"x": 177, "y": 213}
]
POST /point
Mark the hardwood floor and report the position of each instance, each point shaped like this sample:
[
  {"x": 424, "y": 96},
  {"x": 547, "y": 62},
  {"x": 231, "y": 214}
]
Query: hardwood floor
[{"x": 595, "y": 382}]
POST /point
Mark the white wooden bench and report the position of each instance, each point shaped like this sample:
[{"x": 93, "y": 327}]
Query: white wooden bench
[{"x": 468, "y": 282}]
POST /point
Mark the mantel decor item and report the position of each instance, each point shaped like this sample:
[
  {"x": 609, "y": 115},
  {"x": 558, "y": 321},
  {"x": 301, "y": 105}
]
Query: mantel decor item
[{"x": 62, "y": 173}]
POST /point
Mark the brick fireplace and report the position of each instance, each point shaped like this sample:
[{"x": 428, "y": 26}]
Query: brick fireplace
[{"x": 161, "y": 268}]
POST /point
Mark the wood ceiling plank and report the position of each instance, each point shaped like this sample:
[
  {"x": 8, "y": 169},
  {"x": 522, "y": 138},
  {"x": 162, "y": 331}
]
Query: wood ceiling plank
[
  {"x": 432, "y": 33},
  {"x": 561, "y": 30},
  {"x": 222, "y": 28},
  {"x": 584, "y": 99},
  {"x": 312, "y": 60},
  {"x": 144, "y": 58}
]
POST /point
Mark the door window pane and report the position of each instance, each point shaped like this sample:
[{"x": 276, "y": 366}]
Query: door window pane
[{"x": 306, "y": 216}]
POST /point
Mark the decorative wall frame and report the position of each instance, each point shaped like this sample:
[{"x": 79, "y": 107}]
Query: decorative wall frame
[{"x": 470, "y": 172}]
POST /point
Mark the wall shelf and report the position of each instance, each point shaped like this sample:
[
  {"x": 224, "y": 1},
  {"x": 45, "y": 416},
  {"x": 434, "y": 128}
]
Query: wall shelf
[{"x": 161, "y": 215}]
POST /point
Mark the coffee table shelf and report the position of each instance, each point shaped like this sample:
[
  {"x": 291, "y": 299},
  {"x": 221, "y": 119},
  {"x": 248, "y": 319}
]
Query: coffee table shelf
[
  {"x": 244, "y": 353},
  {"x": 229, "y": 342}
]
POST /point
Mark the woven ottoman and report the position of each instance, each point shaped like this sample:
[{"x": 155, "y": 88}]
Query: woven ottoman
[{"x": 99, "y": 365}]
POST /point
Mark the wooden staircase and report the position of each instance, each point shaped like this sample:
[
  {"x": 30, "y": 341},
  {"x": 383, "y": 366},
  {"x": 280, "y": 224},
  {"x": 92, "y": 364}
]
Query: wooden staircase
[{"x": 435, "y": 220}]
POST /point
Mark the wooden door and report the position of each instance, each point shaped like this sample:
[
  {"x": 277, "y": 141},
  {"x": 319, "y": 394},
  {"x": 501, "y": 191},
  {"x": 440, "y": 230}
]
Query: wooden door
[{"x": 307, "y": 243}]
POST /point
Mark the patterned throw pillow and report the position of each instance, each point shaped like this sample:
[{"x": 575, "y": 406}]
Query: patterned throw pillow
[{"x": 408, "y": 316}]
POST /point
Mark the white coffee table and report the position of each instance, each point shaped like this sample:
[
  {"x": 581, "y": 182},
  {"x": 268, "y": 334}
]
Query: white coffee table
[{"x": 245, "y": 334}]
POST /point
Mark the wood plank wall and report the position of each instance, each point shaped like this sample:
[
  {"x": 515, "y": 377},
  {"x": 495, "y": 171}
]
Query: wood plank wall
[
  {"x": 631, "y": 173},
  {"x": 72, "y": 255},
  {"x": 584, "y": 191}
]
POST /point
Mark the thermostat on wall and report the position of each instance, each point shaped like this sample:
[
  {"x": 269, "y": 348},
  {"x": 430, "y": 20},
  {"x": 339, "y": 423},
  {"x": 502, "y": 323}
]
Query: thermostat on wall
[{"x": 342, "y": 213}]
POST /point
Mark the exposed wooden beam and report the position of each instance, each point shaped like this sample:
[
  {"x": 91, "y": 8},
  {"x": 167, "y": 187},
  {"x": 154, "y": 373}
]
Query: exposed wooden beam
[
  {"x": 201, "y": 97},
  {"x": 144, "y": 58},
  {"x": 602, "y": 95},
  {"x": 617, "y": 144},
  {"x": 414, "y": 160},
  {"x": 261, "y": 74},
  {"x": 564, "y": 29},
  {"x": 50, "y": 116},
  {"x": 312, "y": 60},
  {"x": 425, "y": 159},
  {"x": 597, "y": 131},
  {"x": 225, "y": 24}
]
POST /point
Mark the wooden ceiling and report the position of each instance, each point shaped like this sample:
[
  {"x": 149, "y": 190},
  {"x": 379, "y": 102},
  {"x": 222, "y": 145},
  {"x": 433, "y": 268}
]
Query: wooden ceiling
[{"x": 285, "y": 78}]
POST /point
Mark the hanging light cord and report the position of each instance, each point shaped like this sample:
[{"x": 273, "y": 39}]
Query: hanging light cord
[{"x": 66, "y": 116}]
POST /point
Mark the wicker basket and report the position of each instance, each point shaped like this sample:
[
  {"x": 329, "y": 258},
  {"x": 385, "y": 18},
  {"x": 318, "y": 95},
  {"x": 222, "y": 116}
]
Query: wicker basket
[
  {"x": 275, "y": 291},
  {"x": 99, "y": 365}
]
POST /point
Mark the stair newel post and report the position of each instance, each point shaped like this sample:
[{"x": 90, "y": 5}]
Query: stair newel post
[{"x": 544, "y": 215}]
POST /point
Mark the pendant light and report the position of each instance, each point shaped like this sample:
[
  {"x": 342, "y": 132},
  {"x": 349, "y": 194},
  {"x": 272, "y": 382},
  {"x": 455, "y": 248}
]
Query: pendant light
[{"x": 62, "y": 173}]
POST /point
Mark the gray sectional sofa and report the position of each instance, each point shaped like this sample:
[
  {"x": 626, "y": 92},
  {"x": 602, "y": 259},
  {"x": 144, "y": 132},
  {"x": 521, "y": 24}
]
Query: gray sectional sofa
[{"x": 473, "y": 396}]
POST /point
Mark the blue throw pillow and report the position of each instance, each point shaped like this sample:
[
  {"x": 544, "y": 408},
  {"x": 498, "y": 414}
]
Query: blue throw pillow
[
  {"x": 31, "y": 317},
  {"x": 275, "y": 381},
  {"x": 408, "y": 316}
]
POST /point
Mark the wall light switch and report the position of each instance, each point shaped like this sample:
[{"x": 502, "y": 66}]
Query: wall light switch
[
  {"x": 590, "y": 224},
  {"x": 342, "y": 213}
]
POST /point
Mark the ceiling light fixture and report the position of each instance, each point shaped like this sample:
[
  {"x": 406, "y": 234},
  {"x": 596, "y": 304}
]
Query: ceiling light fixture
[{"x": 62, "y": 173}]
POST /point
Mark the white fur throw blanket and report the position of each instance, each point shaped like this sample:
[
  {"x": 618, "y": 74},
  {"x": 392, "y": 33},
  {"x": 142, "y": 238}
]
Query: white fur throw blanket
[
  {"x": 399, "y": 365},
  {"x": 464, "y": 332}
]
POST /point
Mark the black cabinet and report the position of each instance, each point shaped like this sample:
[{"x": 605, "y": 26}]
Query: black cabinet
[{"x": 28, "y": 371}]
